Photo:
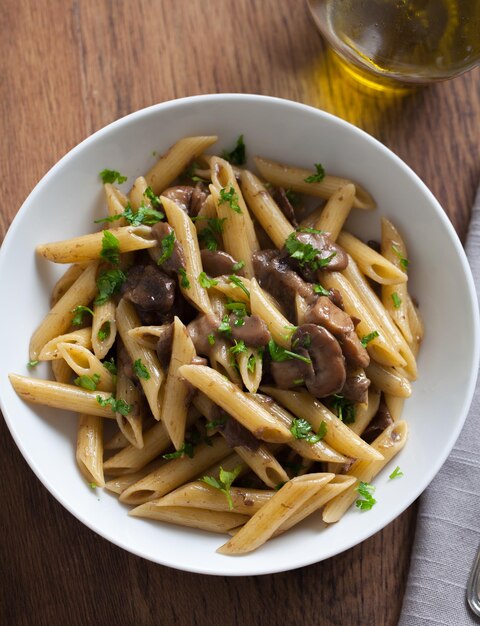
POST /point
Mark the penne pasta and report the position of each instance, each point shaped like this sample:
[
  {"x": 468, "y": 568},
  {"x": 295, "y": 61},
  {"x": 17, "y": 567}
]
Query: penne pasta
[
  {"x": 263, "y": 305},
  {"x": 81, "y": 337},
  {"x": 64, "y": 283},
  {"x": 86, "y": 364},
  {"x": 213, "y": 521},
  {"x": 336, "y": 210},
  {"x": 89, "y": 452},
  {"x": 104, "y": 328},
  {"x": 389, "y": 380}
]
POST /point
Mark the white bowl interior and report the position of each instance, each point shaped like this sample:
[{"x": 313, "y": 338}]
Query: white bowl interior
[{"x": 69, "y": 197}]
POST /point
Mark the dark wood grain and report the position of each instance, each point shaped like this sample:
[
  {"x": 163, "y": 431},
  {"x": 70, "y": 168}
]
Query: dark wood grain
[{"x": 70, "y": 67}]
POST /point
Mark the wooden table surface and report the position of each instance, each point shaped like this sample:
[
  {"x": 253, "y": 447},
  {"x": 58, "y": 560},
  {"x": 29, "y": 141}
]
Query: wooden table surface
[{"x": 68, "y": 68}]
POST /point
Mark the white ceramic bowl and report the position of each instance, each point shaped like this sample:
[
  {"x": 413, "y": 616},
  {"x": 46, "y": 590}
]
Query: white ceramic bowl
[{"x": 69, "y": 197}]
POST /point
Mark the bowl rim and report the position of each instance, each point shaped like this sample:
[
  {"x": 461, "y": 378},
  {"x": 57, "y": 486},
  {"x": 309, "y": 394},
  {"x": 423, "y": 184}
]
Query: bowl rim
[{"x": 473, "y": 303}]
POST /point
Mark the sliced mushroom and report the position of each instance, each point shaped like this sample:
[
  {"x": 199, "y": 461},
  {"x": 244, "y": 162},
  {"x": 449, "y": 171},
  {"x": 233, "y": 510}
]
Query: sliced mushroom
[
  {"x": 217, "y": 263},
  {"x": 356, "y": 386},
  {"x": 177, "y": 259},
  {"x": 190, "y": 199},
  {"x": 149, "y": 288},
  {"x": 254, "y": 332},
  {"x": 334, "y": 257},
  {"x": 200, "y": 329},
  {"x": 292, "y": 373},
  {"x": 379, "y": 422}
]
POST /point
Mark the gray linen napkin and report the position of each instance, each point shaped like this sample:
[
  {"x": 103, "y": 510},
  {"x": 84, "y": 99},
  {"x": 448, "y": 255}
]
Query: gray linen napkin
[{"x": 448, "y": 526}]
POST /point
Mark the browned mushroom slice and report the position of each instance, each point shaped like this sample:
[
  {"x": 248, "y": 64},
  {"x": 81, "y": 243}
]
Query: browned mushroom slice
[
  {"x": 217, "y": 262},
  {"x": 310, "y": 253},
  {"x": 379, "y": 422},
  {"x": 149, "y": 288},
  {"x": 253, "y": 332},
  {"x": 292, "y": 373},
  {"x": 190, "y": 199},
  {"x": 203, "y": 327},
  {"x": 176, "y": 257},
  {"x": 356, "y": 386},
  {"x": 327, "y": 359}
]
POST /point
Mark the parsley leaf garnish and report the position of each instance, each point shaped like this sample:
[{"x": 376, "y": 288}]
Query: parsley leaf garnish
[
  {"x": 279, "y": 354},
  {"x": 104, "y": 331},
  {"x": 397, "y": 473},
  {"x": 318, "y": 176},
  {"x": 184, "y": 282},
  {"x": 306, "y": 254},
  {"x": 205, "y": 281},
  {"x": 225, "y": 326},
  {"x": 238, "y": 155},
  {"x": 110, "y": 366},
  {"x": 211, "y": 339},
  {"x": 186, "y": 449},
  {"x": 117, "y": 405},
  {"x": 167, "y": 245},
  {"x": 238, "y": 266},
  {"x": 252, "y": 363},
  {"x": 344, "y": 408},
  {"x": 302, "y": 429},
  {"x": 397, "y": 301},
  {"x": 140, "y": 370},
  {"x": 110, "y": 248},
  {"x": 189, "y": 173},
  {"x": 230, "y": 196},
  {"x": 92, "y": 485},
  {"x": 317, "y": 288},
  {"x": 217, "y": 422},
  {"x": 237, "y": 281},
  {"x": 78, "y": 311},
  {"x": 109, "y": 283},
  {"x": 154, "y": 200},
  {"x": 368, "y": 338},
  {"x": 366, "y": 501},
  {"x": 145, "y": 215},
  {"x": 403, "y": 261},
  {"x": 112, "y": 176},
  {"x": 87, "y": 382},
  {"x": 239, "y": 347},
  {"x": 33, "y": 363},
  {"x": 224, "y": 483},
  {"x": 208, "y": 235}
]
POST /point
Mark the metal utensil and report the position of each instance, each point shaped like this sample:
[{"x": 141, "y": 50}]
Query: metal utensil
[{"x": 473, "y": 588}]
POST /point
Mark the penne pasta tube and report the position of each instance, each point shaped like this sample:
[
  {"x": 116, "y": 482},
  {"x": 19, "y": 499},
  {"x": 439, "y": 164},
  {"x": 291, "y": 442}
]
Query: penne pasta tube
[
  {"x": 416, "y": 324},
  {"x": 338, "y": 435},
  {"x": 117, "y": 201},
  {"x": 61, "y": 396},
  {"x": 148, "y": 336},
  {"x": 59, "y": 318},
  {"x": 177, "y": 392},
  {"x": 380, "y": 314},
  {"x": 394, "y": 297},
  {"x": 84, "y": 363},
  {"x": 117, "y": 442},
  {"x": 371, "y": 263},
  {"x": 199, "y": 495},
  {"x": 89, "y": 452},
  {"x": 104, "y": 328},
  {"x": 118, "y": 484},
  {"x": 336, "y": 210},
  {"x": 389, "y": 380},
  {"x": 131, "y": 424},
  {"x": 332, "y": 489},
  {"x": 176, "y": 472},
  {"x": 136, "y": 194},
  {"x": 294, "y": 178},
  {"x": 237, "y": 403},
  {"x": 81, "y": 337},
  {"x": 213, "y": 521},
  {"x": 364, "y": 413},
  {"x": 151, "y": 382},
  {"x": 233, "y": 290},
  {"x": 262, "y": 304},
  {"x": 64, "y": 283},
  {"x": 186, "y": 234},
  {"x": 174, "y": 162},
  {"x": 62, "y": 372},
  {"x": 239, "y": 236},
  {"x": 89, "y": 247},
  {"x": 379, "y": 347},
  {"x": 394, "y": 405},
  {"x": 265, "y": 209},
  {"x": 285, "y": 502},
  {"x": 318, "y": 451},
  {"x": 301, "y": 307},
  {"x": 389, "y": 443},
  {"x": 250, "y": 366}
]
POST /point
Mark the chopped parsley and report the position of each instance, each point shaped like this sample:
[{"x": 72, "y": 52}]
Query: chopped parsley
[
  {"x": 397, "y": 473},
  {"x": 306, "y": 254},
  {"x": 317, "y": 288},
  {"x": 33, "y": 363},
  {"x": 87, "y": 382},
  {"x": 92, "y": 485},
  {"x": 302, "y": 429},
  {"x": 318, "y": 176},
  {"x": 345, "y": 408},
  {"x": 166, "y": 245},
  {"x": 78, "y": 311},
  {"x": 397, "y": 301},
  {"x": 110, "y": 248},
  {"x": 112, "y": 176},
  {"x": 236, "y": 267},
  {"x": 109, "y": 283},
  {"x": 205, "y": 281},
  {"x": 117, "y": 405},
  {"x": 299, "y": 382},
  {"x": 110, "y": 366},
  {"x": 217, "y": 422},
  {"x": 366, "y": 500},
  {"x": 230, "y": 197},
  {"x": 279, "y": 354},
  {"x": 252, "y": 363},
  {"x": 154, "y": 200},
  {"x": 104, "y": 331},
  {"x": 237, "y": 156},
  {"x": 292, "y": 197},
  {"x": 140, "y": 370},
  {"x": 366, "y": 339},
  {"x": 238, "y": 282},
  {"x": 211, "y": 339},
  {"x": 208, "y": 235},
  {"x": 145, "y": 215},
  {"x": 190, "y": 173},
  {"x": 239, "y": 347},
  {"x": 225, "y": 326},
  {"x": 403, "y": 261},
  {"x": 224, "y": 483},
  {"x": 186, "y": 449},
  {"x": 184, "y": 282}
]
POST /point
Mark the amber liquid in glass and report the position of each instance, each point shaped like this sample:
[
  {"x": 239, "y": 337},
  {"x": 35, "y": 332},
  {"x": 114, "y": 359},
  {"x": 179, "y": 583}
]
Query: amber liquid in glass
[{"x": 411, "y": 41}]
